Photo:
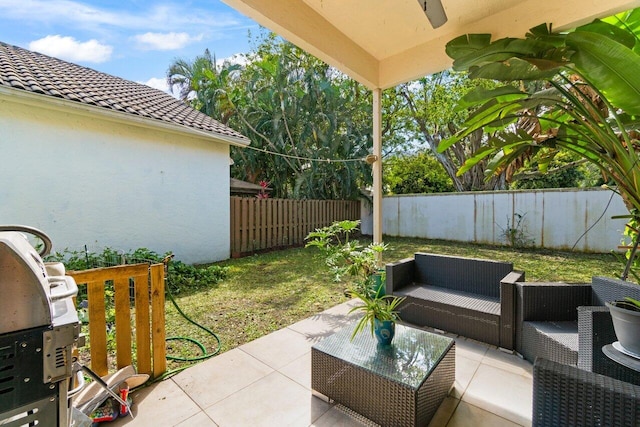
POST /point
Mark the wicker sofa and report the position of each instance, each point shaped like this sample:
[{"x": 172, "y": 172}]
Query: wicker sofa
[
  {"x": 570, "y": 324},
  {"x": 564, "y": 395},
  {"x": 467, "y": 296}
]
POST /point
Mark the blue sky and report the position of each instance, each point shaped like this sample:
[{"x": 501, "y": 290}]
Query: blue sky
[{"x": 133, "y": 39}]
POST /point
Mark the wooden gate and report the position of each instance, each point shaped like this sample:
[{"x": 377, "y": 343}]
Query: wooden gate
[{"x": 146, "y": 284}]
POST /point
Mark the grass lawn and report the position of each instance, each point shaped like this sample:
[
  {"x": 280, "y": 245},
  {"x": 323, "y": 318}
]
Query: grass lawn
[{"x": 266, "y": 292}]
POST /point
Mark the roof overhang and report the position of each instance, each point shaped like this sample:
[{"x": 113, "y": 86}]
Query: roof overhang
[
  {"x": 53, "y": 103},
  {"x": 382, "y": 43}
]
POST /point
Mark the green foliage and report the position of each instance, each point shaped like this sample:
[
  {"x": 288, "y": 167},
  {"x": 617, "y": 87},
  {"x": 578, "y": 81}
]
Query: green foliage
[
  {"x": 343, "y": 255},
  {"x": 633, "y": 301},
  {"x": 419, "y": 173},
  {"x": 630, "y": 236},
  {"x": 515, "y": 234},
  {"x": 179, "y": 275},
  {"x": 592, "y": 78},
  {"x": 291, "y": 104},
  {"x": 566, "y": 178},
  {"x": 567, "y": 173},
  {"x": 204, "y": 83},
  {"x": 383, "y": 308}
]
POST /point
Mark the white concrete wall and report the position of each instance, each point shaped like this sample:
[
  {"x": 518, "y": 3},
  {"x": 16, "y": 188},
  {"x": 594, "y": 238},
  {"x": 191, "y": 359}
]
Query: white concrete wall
[
  {"x": 86, "y": 180},
  {"x": 553, "y": 218}
]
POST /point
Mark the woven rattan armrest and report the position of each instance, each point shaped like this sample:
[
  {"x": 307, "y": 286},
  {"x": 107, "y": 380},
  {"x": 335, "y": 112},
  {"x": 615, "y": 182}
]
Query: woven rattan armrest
[
  {"x": 399, "y": 274},
  {"x": 595, "y": 330},
  {"x": 567, "y": 396}
]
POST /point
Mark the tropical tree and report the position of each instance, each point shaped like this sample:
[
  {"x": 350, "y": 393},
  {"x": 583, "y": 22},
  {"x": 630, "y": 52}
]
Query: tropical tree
[
  {"x": 187, "y": 76},
  {"x": 589, "y": 105},
  {"x": 429, "y": 116},
  {"x": 309, "y": 124},
  {"x": 415, "y": 173},
  {"x": 204, "y": 84}
]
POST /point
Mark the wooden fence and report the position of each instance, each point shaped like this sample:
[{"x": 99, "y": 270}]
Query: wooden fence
[
  {"x": 261, "y": 224},
  {"x": 149, "y": 320}
]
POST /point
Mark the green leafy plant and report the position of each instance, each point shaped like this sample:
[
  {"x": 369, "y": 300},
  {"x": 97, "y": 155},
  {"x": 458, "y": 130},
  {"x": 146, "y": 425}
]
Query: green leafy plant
[
  {"x": 516, "y": 235},
  {"x": 630, "y": 241},
  {"x": 588, "y": 104},
  {"x": 418, "y": 173},
  {"x": 343, "y": 255},
  {"x": 179, "y": 275},
  {"x": 384, "y": 308}
]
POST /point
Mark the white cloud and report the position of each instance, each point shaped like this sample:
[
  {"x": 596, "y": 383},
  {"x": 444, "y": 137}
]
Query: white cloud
[
  {"x": 238, "y": 58},
  {"x": 72, "y": 50},
  {"x": 164, "y": 41},
  {"x": 158, "y": 83},
  {"x": 159, "y": 17}
]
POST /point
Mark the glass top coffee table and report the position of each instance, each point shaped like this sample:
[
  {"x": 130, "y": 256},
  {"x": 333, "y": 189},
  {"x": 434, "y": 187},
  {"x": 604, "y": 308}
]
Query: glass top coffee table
[{"x": 398, "y": 385}]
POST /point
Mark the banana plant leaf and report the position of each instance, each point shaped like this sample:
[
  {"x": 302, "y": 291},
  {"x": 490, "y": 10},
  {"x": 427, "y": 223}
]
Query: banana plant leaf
[
  {"x": 610, "y": 66},
  {"x": 629, "y": 21},
  {"x": 470, "y": 52},
  {"x": 619, "y": 35},
  {"x": 590, "y": 106},
  {"x": 482, "y": 95}
]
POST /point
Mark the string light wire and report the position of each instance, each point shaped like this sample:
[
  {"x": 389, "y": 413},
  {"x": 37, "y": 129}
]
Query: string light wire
[{"x": 308, "y": 159}]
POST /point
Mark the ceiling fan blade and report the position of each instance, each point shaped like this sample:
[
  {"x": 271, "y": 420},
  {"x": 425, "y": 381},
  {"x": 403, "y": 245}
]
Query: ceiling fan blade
[{"x": 434, "y": 11}]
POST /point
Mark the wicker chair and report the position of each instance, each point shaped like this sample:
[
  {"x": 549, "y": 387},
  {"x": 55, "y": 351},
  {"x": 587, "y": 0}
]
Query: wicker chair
[
  {"x": 564, "y": 395},
  {"x": 570, "y": 324},
  {"x": 471, "y": 297}
]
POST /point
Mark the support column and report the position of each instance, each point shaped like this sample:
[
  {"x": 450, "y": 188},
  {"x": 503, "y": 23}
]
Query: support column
[{"x": 377, "y": 167}]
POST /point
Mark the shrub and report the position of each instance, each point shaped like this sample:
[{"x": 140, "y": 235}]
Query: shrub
[{"x": 179, "y": 274}]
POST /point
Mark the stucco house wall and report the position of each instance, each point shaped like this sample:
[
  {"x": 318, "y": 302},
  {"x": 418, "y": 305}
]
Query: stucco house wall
[
  {"x": 86, "y": 180},
  {"x": 92, "y": 176}
]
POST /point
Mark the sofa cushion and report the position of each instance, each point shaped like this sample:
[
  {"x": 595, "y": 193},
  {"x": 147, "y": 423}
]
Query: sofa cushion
[{"x": 461, "y": 299}]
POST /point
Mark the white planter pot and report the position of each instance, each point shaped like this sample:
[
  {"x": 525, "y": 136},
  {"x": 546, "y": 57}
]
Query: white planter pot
[{"x": 626, "y": 323}]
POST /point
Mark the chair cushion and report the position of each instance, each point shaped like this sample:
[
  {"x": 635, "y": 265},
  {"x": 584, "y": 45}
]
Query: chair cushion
[
  {"x": 557, "y": 341},
  {"x": 475, "y": 302}
]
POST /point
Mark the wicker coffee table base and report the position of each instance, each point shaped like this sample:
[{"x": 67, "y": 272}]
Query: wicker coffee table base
[{"x": 381, "y": 400}]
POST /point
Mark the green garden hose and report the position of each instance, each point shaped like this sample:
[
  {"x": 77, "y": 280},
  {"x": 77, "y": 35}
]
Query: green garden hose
[{"x": 204, "y": 354}]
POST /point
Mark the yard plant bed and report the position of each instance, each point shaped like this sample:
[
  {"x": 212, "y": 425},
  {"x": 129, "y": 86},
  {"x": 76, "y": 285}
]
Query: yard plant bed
[{"x": 267, "y": 292}]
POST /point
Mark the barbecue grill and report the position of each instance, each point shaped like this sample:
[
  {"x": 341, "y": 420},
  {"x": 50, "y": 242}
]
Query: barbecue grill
[{"x": 38, "y": 330}]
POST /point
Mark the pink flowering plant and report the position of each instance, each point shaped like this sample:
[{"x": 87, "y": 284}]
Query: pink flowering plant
[{"x": 263, "y": 194}]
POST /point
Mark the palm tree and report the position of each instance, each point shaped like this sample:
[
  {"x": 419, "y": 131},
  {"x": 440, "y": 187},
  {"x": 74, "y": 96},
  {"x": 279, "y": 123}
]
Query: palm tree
[
  {"x": 204, "y": 84},
  {"x": 186, "y": 76}
]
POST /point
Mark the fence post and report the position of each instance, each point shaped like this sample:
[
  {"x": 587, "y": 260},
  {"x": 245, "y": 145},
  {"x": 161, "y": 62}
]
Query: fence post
[{"x": 158, "y": 332}]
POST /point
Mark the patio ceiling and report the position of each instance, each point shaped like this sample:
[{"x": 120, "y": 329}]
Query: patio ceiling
[{"x": 382, "y": 43}]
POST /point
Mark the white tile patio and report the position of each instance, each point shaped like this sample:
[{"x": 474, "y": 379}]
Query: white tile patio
[{"x": 267, "y": 383}]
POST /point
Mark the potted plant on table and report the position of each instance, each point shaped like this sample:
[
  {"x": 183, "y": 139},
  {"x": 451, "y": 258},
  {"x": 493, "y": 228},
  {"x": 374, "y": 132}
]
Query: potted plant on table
[
  {"x": 346, "y": 256},
  {"x": 380, "y": 315},
  {"x": 587, "y": 105}
]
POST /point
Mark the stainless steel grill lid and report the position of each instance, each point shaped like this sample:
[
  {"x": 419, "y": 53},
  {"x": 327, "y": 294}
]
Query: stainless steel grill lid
[{"x": 24, "y": 285}]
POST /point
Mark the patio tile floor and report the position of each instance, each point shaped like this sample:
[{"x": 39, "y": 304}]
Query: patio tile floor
[{"x": 267, "y": 383}]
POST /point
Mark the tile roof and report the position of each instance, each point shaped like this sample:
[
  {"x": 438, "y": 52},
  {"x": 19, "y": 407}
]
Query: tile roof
[{"x": 42, "y": 74}]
